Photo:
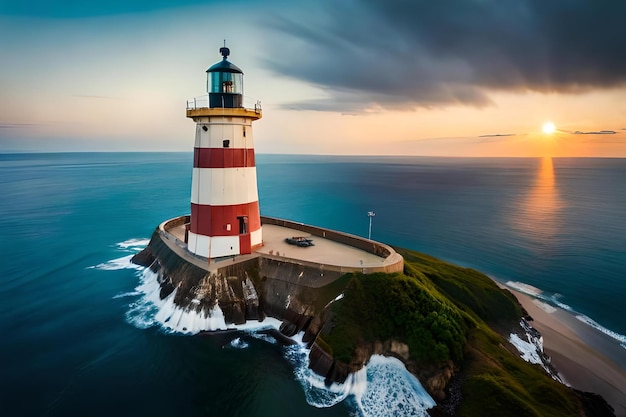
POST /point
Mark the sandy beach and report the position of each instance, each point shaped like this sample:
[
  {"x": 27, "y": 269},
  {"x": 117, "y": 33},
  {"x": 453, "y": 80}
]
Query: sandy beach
[{"x": 586, "y": 359}]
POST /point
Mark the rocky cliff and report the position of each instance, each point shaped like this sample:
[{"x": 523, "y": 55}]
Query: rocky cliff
[{"x": 447, "y": 324}]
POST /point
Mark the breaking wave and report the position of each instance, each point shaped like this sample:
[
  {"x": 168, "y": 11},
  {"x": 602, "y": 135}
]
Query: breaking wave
[
  {"x": 116, "y": 264},
  {"x": 392, "y": 391},
  {"x": 131, "y": 245},
  {"x": 150, "y": 310},
  {"x": 590, "y": 322},
  {"x": 555, "y": 300},
  {"x": 237, "y": 343},
  {"x": 528, "y": 289},
  {"x": 382, "y": 388},
  {"x": 525, "y": 288},
  {"x": 127, "y": 294}
]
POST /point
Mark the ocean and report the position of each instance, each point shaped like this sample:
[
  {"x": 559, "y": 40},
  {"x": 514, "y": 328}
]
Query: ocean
[{"x": 80, "y": 336}]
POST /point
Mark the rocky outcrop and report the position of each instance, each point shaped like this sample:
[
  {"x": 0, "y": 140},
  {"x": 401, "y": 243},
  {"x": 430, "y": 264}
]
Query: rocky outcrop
[
  {"x": 251, "y": 299},
  {"x": 197, "y": 289},
  {"x": 322, "y": 363},
  {"x": 300, "y": 297},
  {"x": 595, "y": 405},
  {"x": 244, "y": 290},
  {"x": 261, "y": 287},
  {"x": 434, "y": 379}
]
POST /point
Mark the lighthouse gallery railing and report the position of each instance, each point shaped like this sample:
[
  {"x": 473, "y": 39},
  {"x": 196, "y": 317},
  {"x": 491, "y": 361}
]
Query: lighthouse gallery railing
[{"x": 202, "y": 102}]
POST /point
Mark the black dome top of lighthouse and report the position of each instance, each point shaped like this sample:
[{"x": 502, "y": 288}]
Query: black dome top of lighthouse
[{"x": 224, "y": 65}]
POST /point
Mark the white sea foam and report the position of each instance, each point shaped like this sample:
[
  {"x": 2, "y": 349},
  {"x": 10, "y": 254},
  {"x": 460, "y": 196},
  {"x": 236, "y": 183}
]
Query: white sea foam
[
  {"x": 133, "y": 244},
  {"x": 382, "y": 388},
  {"x": 317, "y": 393},
  {"x": 524, "y": 288},
  {"x": 189, "y": 321},
  {"x": 392, "y": 391},
  {"x": 253, "y": 325},
  {"x": 264, "y": 337},
  {"x": 537, "y": 293},
  {"x": 531, "y": 349},
  {"x": 150, "y": 310},
  {"x": 590, "y": 322},
  {"x": 554, "y": 299},
  {"x": 298, "y": 338},
  {"x": 116, "y": 264},
  {"x": 544, "y": 306},
  {"x": 142, "y": 312},
  {"x": 127, "y": 294},
  {"x": 237, "y": 343},
  {"x": 527, "y": 350}
]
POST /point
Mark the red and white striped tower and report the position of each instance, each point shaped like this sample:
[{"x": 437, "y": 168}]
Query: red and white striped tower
[{"x": 225, "y": 216}]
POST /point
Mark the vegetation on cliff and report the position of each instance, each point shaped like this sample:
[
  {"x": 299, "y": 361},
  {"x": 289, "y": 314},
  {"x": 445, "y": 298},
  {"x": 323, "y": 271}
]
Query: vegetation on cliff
[
  {"x": 394, "y": 306},
  {"x": 446, "y": 313}
]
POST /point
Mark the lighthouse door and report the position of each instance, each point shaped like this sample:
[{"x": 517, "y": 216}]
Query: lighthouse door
[
  {"x": 245, "y": 241},
  {"x": 243, "y": 224}
]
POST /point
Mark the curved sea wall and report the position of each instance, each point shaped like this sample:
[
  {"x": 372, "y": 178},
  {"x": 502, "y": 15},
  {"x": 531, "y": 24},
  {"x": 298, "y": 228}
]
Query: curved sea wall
[{"x": 370, "y": 246}]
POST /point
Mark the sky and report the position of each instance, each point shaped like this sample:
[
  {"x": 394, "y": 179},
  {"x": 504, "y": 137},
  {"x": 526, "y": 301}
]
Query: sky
[{"x": 348, "y": 77}]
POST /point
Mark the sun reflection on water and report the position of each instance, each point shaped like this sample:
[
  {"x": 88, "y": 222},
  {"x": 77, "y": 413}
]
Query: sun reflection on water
[{"x": 538, "y": 216}]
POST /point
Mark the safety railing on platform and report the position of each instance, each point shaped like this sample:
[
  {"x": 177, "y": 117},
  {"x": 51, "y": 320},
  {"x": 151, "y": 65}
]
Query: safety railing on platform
[{"x": 202, "y": 102}]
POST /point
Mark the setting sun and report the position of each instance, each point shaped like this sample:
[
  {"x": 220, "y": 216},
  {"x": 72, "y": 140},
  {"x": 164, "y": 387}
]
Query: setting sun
[{"x": 548, "y": 128}]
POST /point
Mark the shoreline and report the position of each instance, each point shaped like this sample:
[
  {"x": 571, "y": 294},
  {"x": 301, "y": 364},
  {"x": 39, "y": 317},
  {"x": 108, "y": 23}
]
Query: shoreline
[{"x": 581, "y": 354}]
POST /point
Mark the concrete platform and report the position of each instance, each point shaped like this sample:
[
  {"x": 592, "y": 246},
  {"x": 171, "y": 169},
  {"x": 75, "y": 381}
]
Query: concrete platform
[
  {"x": 332, "y": 250},
  {"x": 325, "y": 251}
]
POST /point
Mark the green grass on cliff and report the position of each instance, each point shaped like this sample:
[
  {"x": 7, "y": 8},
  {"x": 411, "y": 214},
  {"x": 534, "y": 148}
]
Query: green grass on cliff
[
  {"x": 446, "y": 312},
  {"x": 472, "y": 291},
  {"x": 394, "y": 306},
  {"x": 498, "y": 382}
]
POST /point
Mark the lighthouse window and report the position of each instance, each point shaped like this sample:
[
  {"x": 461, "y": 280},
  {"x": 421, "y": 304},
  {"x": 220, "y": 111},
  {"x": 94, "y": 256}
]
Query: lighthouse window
[
  {"x": 226, "y": 82},
  {"x": 226, "y": 143}
]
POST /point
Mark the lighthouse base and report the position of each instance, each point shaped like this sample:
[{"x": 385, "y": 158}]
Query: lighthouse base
[{"x": 221, "y": 246}]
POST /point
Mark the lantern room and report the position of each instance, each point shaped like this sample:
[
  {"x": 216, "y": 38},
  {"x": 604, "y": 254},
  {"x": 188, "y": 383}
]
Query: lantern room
[{"x": 225, "y": 83}]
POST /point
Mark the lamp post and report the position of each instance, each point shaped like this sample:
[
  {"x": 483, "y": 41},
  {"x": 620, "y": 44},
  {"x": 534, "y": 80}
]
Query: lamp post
[{"x": 370, "y": 214}]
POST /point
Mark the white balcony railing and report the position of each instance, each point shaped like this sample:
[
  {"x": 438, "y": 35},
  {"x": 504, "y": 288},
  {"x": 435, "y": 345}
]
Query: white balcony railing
[{"x": 201, "y": 102}]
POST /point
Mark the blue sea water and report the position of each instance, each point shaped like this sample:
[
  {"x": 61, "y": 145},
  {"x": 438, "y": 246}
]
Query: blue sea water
[{"x": 72, "y": 338}]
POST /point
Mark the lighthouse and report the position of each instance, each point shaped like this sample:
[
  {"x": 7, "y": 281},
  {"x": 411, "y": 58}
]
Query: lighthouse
[{"x": 225, "y": 217}]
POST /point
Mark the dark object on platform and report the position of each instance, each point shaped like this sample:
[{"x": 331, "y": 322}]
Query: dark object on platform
[{"x": 301, "y": 241}]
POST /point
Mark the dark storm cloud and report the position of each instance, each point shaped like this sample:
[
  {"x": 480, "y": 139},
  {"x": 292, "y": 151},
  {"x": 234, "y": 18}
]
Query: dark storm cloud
[{"x": 413, "y": 53}]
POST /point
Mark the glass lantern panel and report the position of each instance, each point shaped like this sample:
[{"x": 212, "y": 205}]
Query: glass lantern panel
[{"x": 226, "y": 82}]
